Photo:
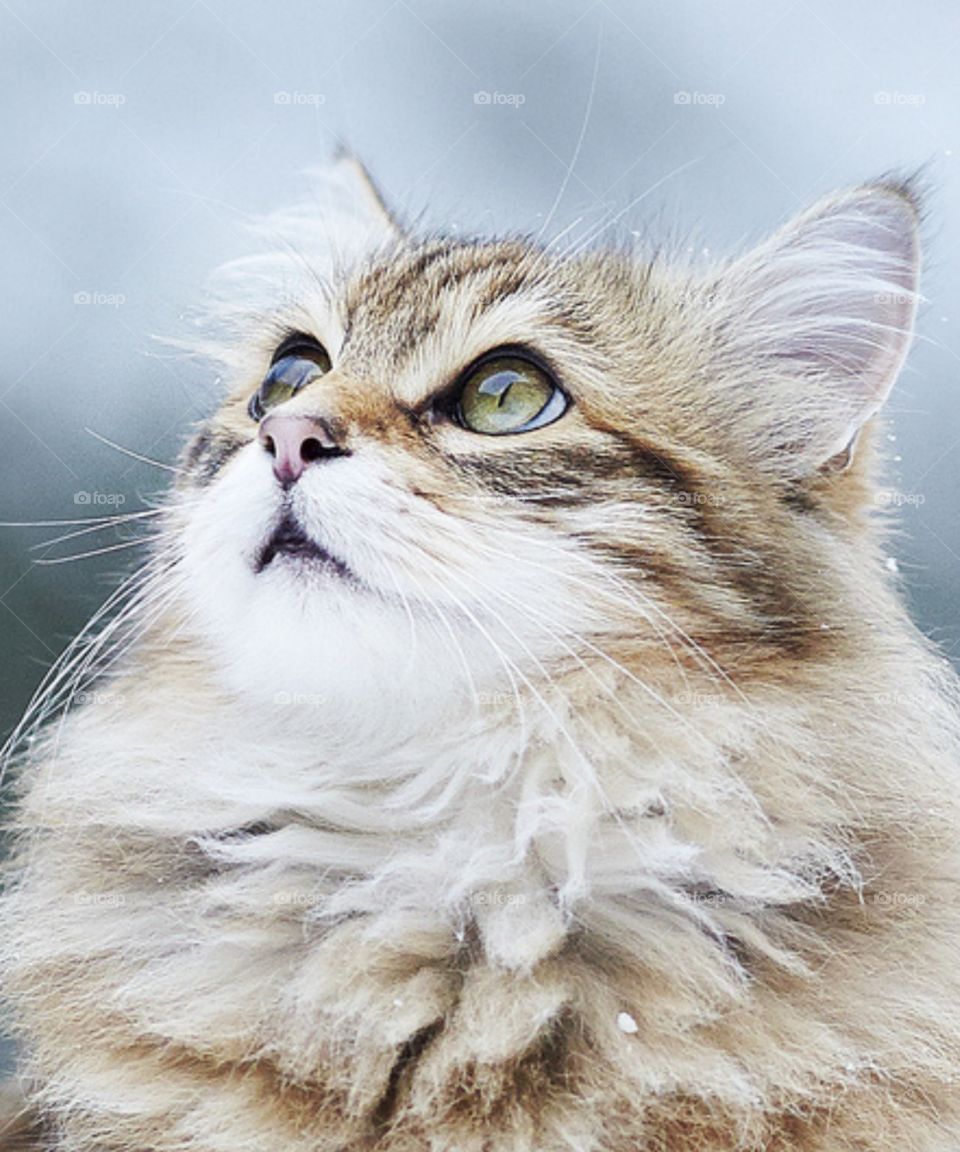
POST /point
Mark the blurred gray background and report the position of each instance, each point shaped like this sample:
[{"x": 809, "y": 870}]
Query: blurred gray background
[{"x": 138, "y": 137}]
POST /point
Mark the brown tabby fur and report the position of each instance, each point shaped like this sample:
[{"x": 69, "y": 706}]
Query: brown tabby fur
[{"x": 763, "y": 875}]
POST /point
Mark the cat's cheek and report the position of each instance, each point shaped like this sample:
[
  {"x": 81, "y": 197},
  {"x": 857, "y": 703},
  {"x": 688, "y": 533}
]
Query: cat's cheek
[
  {"x": 223, "y": 527},
  {"x": 226, "y": 523}
]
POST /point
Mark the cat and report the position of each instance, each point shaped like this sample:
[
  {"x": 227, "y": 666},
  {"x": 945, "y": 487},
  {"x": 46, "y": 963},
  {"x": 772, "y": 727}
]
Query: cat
[{"x": 515, "y": 740}]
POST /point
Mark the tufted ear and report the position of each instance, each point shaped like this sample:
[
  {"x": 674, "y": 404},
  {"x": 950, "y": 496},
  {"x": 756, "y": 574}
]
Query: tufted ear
[
  {"x": 298, "y": 252},
  {"x": 345, "y": 186},
  {"x": 814, "y": 326},
  {"x": 340, "y": 221}
]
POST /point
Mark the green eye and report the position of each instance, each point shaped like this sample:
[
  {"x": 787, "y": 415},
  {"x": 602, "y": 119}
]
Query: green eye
[
  {"x": 508, "y": 394},
  {"x": 295, "y": 363}
]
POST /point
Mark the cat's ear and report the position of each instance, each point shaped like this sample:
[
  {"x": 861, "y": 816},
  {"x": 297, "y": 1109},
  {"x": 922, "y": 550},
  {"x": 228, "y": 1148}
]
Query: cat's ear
[
  {"x": 351, "y": 189},
  {"x": 340, "y": 222},
  {"x": 815, "y": 325},
  {"x": 342, "y": 219}
]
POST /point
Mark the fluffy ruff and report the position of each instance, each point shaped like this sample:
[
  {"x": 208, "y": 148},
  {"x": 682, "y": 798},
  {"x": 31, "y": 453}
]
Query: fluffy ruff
[{"x": 217, "y": 946}]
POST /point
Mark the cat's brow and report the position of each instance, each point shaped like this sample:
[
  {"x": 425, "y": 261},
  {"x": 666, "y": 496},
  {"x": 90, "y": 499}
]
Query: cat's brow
[
  {"x": 423, "y": 318},
  {"x": 431, "y": 364}
]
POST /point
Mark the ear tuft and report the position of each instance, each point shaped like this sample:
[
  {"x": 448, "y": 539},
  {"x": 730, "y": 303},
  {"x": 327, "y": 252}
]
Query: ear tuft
[
  {"x": 340, "y": 222},
  {"x": 299, "y": 254},
  {"x": 347, "y": 173},
  {"x": 817, "y": 321}
]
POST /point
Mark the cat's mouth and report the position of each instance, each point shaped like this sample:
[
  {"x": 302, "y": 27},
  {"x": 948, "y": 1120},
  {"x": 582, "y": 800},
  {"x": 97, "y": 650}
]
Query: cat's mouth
[{"x": 290, "y": 542}]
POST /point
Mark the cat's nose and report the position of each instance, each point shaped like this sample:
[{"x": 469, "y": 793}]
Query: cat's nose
[{"x": 296, "y": 441}]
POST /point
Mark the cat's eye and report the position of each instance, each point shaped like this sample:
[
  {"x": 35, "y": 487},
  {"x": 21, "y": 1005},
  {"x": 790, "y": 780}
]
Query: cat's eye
[
  {"x": 508, "y": 394},
  {"x": 298, "y": 361}
]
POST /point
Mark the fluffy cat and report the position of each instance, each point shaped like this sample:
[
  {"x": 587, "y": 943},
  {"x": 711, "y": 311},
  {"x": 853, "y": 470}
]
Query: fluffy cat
[{"x": 515, "y": 741}]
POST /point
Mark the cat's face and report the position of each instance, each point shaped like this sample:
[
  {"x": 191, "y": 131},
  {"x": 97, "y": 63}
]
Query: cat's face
[
  {"x": 446, "y": 471},
  {"x": 404, "y": 488}
]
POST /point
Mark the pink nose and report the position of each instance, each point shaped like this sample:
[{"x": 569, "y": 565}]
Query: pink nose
[{"x": 296, "y": 441}]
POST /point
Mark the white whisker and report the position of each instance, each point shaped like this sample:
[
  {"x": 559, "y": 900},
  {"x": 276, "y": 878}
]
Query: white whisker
[
  {"x": 124, "y": 544},
  {"x": 112, "y": 522},
  {"x": 134, "y": 455}
]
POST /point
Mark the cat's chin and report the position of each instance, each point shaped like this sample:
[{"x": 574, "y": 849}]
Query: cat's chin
[{"x": 300, "y": 643}]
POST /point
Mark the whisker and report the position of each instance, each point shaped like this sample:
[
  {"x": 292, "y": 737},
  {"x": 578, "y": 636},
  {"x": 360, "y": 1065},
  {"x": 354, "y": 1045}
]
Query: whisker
[
  {"x": 617, "y": 666},
  {"x": 448, "y": 627},
  {"x": 147, "y": 614},
  {"x": 632, "y": 838},
  {"x": 633, "y": 597},
  {"x": 47, "y": 560},
  {"x": 106, "y": 520},
  {"x": 583, "y": 132},
  {"x": 512, "y": 664},
  {"x": 592, "y": 237},
  {"x": 408, "y": 611},
  {"x": 135, "y": 455},
  {"x": 126, "y": 518},
  {"x": 125, "y": 599},
  {"x": 575, "y": 848}
]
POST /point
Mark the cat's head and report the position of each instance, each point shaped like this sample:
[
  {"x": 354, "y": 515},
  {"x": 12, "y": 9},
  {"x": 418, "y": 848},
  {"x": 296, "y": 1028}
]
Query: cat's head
[{"x": 448, "y": 470}]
